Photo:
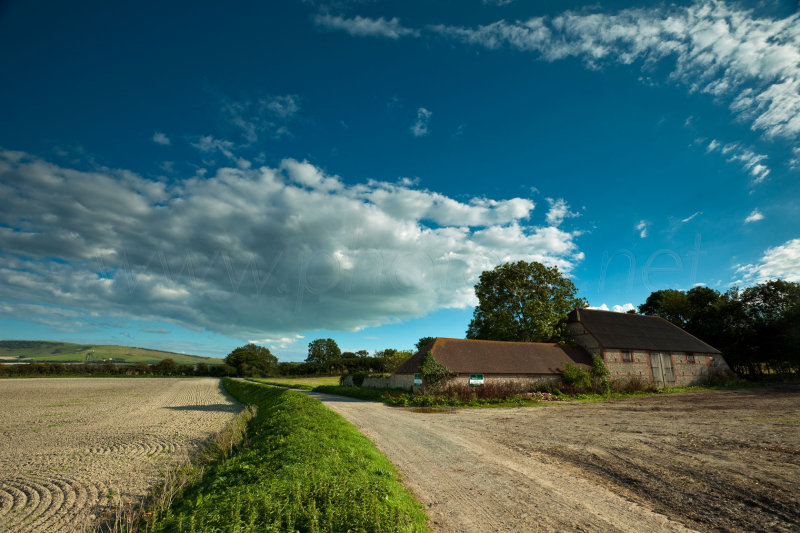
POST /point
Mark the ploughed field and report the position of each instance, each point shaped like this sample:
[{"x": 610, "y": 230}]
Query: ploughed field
[
  {"x": 695, "y": 461},
  {"x": 72, "y": 449}
]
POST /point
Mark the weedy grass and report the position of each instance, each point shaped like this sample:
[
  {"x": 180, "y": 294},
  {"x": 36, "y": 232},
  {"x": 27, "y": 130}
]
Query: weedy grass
[
  {"x": 511, "y": 395},
  {"x": 304, "y": 468}
]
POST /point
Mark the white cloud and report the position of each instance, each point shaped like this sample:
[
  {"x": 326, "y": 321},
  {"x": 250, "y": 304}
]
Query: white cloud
[
  {"x": 160, "y": 138},
  {"x": 779, "y": 262},
  {"x": 617, "y": 308},
  {"x": 497, "y": 2},
  {"x": 421, "y": 127},
  {"x": 278, "y": 343},
  {"x": 794, "y": 162},
  {"x": 257, "y": 253},
  {"x": 271, "y": 115},
  {"x": 208, "y": 144},
  {"x": 365, "y": 26},
  {"x": 559, "y": 210},
  {"x": 641, "y": 227},
  {"x": 724, "y": 50},
  {"x": 755, "y": 216},
  {"x": 752, "y": 163},
  {"x": 691, "y": 217}
]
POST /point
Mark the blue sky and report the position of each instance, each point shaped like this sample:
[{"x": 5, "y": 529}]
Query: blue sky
[{"x": 191, "y": 177}]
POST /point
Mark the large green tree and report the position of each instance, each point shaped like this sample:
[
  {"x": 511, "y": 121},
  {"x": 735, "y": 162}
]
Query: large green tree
[
  {"x": 392, "y": 358},
  {"x": 324, "y": 352},
  {"x": 525, "y": 302},
  {"x": 252, "y": 360}
]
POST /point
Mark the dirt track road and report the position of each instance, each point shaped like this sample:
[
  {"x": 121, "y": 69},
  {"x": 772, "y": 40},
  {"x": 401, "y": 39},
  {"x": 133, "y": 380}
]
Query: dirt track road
[{"x": 711, "y": 460}]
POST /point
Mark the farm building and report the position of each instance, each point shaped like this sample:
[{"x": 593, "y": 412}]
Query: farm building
[
  {"x": 478, "y": 362},
  {"x": 645, "y": 346}
]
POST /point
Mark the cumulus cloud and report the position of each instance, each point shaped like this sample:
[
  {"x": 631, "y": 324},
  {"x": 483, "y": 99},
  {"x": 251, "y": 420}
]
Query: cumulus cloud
[
  {"x": 278, "y": 343},
  {"x": 779, "y": 262},
  {"x": 364, "y": 26},
  {"x": 641, "y": 227},
  {"x": 750, "y": 63},
  {"x": 160, "y": 138},
  {"x": 256, "y": 253},
  {"x": 755, "y": 216},
  {"x": 559, "y": 210},
  {"x": 624, "y": 308},
  {"x": 420, "y": 128}
]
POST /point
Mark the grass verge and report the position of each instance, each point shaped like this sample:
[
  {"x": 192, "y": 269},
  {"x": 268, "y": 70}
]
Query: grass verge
[{"x": 304, "y": 468}]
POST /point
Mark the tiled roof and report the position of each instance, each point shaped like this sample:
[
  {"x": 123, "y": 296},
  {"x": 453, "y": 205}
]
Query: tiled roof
[
  {"x": 464, "y": 356},
  {"x": 637, "y": 332}
]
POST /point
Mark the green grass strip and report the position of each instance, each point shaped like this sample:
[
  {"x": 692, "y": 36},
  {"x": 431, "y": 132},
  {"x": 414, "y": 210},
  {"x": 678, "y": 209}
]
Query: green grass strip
[
  {"x": 274, "y": 383},
  {"x": 304, "y": 468}
]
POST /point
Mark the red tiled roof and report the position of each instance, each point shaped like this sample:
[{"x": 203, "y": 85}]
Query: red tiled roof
[{"x": 465, "y": 356}]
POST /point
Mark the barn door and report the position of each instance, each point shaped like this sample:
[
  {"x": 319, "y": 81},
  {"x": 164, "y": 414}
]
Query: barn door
[
  {"x": 667, "y": 370},
  {"x": 663, "y": 373},
  {"x": 655, "y": 365}
]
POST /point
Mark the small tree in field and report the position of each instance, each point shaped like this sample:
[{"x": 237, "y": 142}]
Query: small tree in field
[{"x": 252, "y": 360}]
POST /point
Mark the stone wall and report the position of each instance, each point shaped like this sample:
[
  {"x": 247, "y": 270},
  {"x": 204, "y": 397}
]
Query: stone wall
[
  {"x": 639, "y": 366},
  {"x": 687, "y": 372},
  {"x": 395, "y": 381},
  {"x": 523, "y": 380},
  {"x": 583, "y": 337}
]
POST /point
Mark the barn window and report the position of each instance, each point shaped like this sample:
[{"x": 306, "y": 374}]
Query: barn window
[
  {"x": 690, "y": 358},
  {"x": 627, "y": 356}
]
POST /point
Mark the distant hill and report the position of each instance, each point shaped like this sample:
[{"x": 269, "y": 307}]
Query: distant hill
[{"x": 67, "y": 352}]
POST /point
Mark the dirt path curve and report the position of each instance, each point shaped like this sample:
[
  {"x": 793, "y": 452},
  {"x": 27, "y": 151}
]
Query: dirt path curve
[{"x": 469, "y": 481}]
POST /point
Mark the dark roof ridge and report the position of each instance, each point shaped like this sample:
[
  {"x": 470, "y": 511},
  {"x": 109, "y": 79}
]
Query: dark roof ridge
[{"x": 491, "y": 340}]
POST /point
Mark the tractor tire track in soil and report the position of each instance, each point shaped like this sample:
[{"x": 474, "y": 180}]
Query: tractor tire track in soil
[
  {"x": 73, "y": 448},
  {"x": 696, "y": 461}
]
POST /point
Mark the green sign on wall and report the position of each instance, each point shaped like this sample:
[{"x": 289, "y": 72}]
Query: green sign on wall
[
  {"x": 475, "y": 379},
  {"x": 417, "y": 380}
]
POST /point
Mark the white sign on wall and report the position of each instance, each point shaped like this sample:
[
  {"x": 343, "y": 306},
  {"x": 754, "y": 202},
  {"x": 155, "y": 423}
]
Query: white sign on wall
[{"x": 417, "y": 380}]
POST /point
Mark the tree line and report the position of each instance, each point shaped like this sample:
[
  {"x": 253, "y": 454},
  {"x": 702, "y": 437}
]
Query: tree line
[
  {"x": 324, "y": 357},
  {"x": 165, "y": 367},
  {"x": 757, "y": 329}
]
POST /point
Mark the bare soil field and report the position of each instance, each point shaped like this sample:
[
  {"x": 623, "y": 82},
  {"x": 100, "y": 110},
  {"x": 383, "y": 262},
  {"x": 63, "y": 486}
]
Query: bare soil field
[
  {"x": 696, "y": 461},
  {"x": 71, "y": 448}
]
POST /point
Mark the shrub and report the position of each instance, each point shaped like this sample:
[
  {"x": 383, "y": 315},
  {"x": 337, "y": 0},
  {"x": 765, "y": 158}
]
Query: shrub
[
  {"x": 576, "y": 379},
  {"x": 633, "y": 384},
  {"x": 501, "y": 390},
  {"x": 358, "y": 378},
  {"x": 433, "y": 372},
  {"x": 599, "y": 374}
]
